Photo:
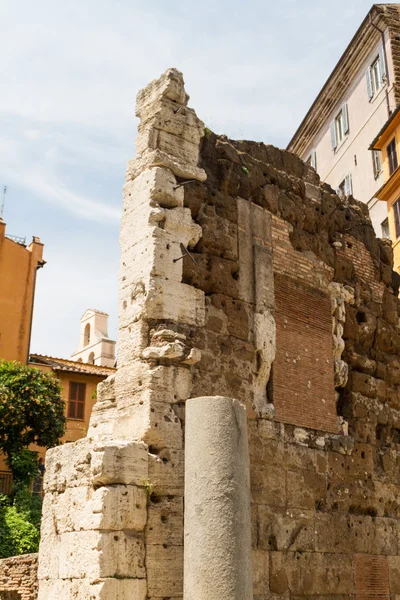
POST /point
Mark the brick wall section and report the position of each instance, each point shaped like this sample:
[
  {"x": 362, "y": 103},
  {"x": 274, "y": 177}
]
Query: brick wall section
[
  {"x": 19, "y": 574},
  {"x": 364, "y": 269},
  {"x": 299, "y": 266},
  {"x": 303, "y": 390},
  {"x": 371, "y": 576},
  {"x": 319, "y": 497}
]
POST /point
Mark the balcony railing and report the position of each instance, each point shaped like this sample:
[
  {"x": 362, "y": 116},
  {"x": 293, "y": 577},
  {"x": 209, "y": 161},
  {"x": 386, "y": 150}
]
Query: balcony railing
[{"x": 17, "y": 239}]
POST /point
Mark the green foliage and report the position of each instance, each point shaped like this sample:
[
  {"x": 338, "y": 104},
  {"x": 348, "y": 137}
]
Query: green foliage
[
  {"x": 19, "y": 523},
  {"x": 24, "y": 465},
  {"x": 31, "y": 412}
]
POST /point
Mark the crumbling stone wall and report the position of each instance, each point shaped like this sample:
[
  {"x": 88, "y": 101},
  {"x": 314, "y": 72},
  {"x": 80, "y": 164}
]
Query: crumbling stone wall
[
  {"x": 18, "y": 577},
  {"x": 241, "y": 276},
  {"x": 324, "y": 463}
]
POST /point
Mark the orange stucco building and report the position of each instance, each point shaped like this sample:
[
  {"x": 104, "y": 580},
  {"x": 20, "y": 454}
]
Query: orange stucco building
[
  {"x": 79, "y": 384},
  {"x": 18, "y": 267}
]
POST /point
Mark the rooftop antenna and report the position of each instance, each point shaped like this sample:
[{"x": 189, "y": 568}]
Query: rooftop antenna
[{"x": 3, "y": 203}]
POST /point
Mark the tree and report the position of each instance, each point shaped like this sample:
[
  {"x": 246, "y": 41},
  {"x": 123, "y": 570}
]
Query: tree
[{"x": 31, "y": 412}]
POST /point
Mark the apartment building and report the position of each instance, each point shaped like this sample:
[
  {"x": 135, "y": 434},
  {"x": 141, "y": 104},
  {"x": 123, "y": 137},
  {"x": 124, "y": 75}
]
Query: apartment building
[
  {"x": 355, "y": 102},
  {"x": 19, "y": 265},
  {"x": 387, "y": 144}
]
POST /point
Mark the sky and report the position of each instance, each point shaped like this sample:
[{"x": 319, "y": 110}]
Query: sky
[{"x": 70, "y": 72}]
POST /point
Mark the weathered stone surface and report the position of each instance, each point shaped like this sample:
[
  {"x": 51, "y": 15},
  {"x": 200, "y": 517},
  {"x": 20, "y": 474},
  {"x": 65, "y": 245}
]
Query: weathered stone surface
[
  {"x": 325, "y": 463},
  {"x": 217, "y": 559}
]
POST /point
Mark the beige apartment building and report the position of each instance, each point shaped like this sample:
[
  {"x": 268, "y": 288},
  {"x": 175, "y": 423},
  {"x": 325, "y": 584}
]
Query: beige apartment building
[{"x": 355, "y": 102}]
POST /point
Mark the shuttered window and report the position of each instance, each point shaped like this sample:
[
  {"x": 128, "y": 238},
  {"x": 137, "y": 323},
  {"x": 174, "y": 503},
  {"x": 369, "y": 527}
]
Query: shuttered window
[
  {"x": 340, "y": 126},
  {"x": 396, "y": 210},
  {"x": 375, "y": 74},
  {"x": 376, "y": 162},
  {"x": 76, "y": 400},
  {"x": 392, "y": 156}
]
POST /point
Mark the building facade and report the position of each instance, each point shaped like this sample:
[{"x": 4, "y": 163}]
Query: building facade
[
  {"x": 357, "y": 99},
  {"x": 387, "y": 144},
  {"x": 18, "y": 268},
  {"x": 95, "y": 347}
]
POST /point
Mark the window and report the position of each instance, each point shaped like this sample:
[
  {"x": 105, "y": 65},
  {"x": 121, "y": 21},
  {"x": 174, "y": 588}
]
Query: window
[
  {"x": 396, "y": 210},
  {"x": 86, "y": 335},
  {"x": 339, "y": 127},
  {"x": 91, "y": 358},
  {"x": 376, "y": 74},
  {"x": 377, "y": 162},
  {"x": 392, "y": 156},
  {"x": 385, "y": 228},
  {"x": 76, "y": 400},
  {"x": 345, "y": 188},
  {"x": 312, "y": 159}
]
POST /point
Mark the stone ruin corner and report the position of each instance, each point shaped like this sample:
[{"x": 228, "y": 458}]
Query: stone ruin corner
[{"x": 259, "y": 340}]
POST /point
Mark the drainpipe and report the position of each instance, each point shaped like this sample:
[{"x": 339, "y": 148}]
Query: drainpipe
[{"x": 386, "y": 62}]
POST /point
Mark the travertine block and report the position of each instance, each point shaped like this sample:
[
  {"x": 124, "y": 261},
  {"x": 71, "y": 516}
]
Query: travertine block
[
  {"x": 165, "y": 115},
  {"x": 119, "y": 462},
  {"x": 106, "y": 589},
  {"x": 170, "y": 85},
  {"x": 153, "y": 422},
  {"x": 145, "y": 196},
  {"x": 162, "y": 383},
  {"x": 106, "y": 508},
  {"x": 49, "y": 552},
  {"x": 260, "y": 573},
  {"x": 157, "y": 158},
  {"x": 166, "y": 472},
  {"x": 164, "y": 570},
  {"x": 132, "y": 340},
  {"x": 173, "y": 145},
  {"x": 68, "y": 465},
  {"x": 93, "y": 555},
  {"x": 265, "y": 344},
  {"x": 165, "y": 521},
  {"x": 155, "y": 255},
  {"x": 157, "y": 298},
  {"x": 311, "y": 573}
]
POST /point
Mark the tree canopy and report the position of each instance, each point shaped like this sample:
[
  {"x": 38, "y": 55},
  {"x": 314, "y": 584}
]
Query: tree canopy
[{"x": 31, "y": 412}]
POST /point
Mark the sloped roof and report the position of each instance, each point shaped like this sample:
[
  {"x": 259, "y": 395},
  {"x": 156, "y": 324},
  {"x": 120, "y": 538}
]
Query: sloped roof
[{"x": 72, "y": 366}]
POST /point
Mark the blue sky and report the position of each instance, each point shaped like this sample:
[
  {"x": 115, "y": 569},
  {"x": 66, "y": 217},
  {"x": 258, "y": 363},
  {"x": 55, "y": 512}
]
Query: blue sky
[{"x": 70, "y": 72}]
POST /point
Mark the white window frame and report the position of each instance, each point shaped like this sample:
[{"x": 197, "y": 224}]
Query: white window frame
[
  {"x": 385, "y": 229},
  {"x": 345, "y": 187},
  {"x": 312, "y": 159},
  {"x": 377, "y": 162},
  {"x": 339, "y": 127},
  {"x": 376, "y": 74}
]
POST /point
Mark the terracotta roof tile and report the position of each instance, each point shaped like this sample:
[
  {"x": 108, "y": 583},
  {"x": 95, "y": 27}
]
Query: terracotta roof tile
[{"x": 73, "y": 366}]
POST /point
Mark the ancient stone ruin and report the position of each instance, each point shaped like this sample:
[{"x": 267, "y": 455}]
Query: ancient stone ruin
[{"x": 246, "y": 287}]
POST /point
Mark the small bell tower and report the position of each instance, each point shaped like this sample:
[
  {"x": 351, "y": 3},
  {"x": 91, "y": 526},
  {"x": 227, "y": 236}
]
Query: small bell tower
[{"x": 94, "y": 346}]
